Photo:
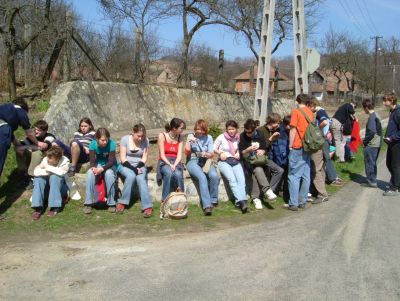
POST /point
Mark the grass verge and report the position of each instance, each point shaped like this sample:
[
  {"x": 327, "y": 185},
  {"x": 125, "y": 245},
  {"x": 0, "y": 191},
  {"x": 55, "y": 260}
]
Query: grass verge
[{"x": 72, "y": 222}]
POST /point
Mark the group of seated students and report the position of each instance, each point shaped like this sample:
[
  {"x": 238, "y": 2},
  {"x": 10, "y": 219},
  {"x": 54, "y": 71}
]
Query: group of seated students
[{"x": 254, "y": 162}]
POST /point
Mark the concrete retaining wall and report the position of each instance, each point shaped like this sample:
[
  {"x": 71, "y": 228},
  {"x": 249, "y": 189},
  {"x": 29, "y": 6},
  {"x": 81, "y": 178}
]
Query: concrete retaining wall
[{"x": 118, "y": 106}]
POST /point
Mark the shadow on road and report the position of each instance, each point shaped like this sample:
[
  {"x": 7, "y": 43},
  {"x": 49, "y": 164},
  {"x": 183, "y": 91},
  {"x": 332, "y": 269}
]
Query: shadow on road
[{"x": 11, "y": 190}]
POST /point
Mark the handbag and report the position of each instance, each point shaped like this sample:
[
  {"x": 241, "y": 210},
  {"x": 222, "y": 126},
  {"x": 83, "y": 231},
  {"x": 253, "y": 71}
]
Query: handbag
[
  {"x": 258, "y": 160},
  {"x": 232, "y": 161}
]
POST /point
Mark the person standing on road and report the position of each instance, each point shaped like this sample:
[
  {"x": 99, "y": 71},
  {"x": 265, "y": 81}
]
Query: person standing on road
[
  {"x": 299, "y": 160},
  {"x": 372, "y": 143},
  {"x": 342, "y": 125},
  {"x": 392, "y": 138}
]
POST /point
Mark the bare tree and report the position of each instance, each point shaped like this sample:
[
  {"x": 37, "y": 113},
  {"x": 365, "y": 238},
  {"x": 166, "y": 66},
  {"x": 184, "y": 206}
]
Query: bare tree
[
  {"x": 144, "y": 15},
  {"x": 14, "y": 15},
  {"x": 245, "y": 18}
]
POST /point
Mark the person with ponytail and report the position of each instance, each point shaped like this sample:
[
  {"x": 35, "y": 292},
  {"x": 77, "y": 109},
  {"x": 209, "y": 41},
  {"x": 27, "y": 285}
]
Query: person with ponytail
[{"x": 169, "y": 167}]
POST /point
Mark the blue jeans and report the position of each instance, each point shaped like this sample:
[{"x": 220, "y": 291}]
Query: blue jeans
[
  {"x": 53, "y": 185},
  {"x": 236, "y": 180},
  {"x": 299, "y": 171},
  {"x": 91, "y": 191},
  {"x": 130, "y": 180},
  {"x": 208, "y": 184},
  {"x": 370, "y": 157},
  {"x": 330, "y": 169},
  {"x": 171, "y": 180}
]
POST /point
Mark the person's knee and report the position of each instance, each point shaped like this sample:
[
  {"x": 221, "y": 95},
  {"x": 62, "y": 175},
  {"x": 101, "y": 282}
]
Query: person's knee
[
  {"x": 55, "y": 179},
  {"x": 109, "y": 174}
]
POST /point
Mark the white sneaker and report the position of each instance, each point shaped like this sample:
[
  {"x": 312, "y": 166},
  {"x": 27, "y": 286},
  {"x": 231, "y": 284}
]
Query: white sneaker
[
  {"x": 271, "y": 195},
  {"x": 257, "y": 203}
]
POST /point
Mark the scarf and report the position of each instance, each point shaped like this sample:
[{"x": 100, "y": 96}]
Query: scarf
[{"x": 230, "y": 140}]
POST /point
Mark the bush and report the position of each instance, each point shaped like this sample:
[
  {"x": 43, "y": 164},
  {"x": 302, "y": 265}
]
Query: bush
[
  {"x": 42, "y": 105},
  {"x": 214, "y": 130}
]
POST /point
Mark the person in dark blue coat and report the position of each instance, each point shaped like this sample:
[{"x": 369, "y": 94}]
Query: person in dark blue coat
[
  {"x": 13, "y": 115},
  {"x": 392, "y": 138}
]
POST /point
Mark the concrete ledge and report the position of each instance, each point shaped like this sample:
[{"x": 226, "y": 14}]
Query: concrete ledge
[{"x": 155, "y": 191}]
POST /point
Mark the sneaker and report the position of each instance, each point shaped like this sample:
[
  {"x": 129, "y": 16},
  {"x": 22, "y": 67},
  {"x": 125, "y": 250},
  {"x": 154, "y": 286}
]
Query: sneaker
[
  {"x": 302, "y": 206},
  {"x": 36, "y": 215},
  {"x": 286, "y": 205},
  {"x": 292, "y": 208},
  {"x": 71, "y": 171},
  {"x": 53, "y": 212},
  {"x": 87, "y": 209},
  {"x": 215, "y": 205},
  {"x": 111, "y": 209},
  {"x": 271, "y": 195},
  {"x": 242, "y": 206},
  {"x": 369, "y": 185},
  {"x": 391, "y": 192},
  {"x": 120, "y": 208},
  {"x": 30, "y": 184},
  {"x": 208, "y": 211},
  {"x": 147, "y": 212},
  {"x": 257, "y": 203}
]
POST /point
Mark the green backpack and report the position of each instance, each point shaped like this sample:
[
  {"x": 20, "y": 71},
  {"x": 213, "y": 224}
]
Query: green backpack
[{"x": 314, "y": 138}]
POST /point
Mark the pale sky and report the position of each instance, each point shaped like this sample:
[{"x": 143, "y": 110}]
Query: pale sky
[{"x": 360, "y": 18}]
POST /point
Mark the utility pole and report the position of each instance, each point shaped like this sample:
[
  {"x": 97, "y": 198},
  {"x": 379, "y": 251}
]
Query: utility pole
[
  {"x": 137, "y": 54},
  {"x": 220, "y": 68},
  {"x": 376, "y": 66},
  {"x": 300, "y": 45},
  {"x": 264, "y": 61}
]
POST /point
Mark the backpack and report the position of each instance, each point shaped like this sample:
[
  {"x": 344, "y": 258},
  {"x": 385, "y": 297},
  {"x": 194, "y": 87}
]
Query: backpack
[
  {"x": 313, "y": 138},
  {"x": 175, "y": 206},
  {"x": 101, "y": 189}
]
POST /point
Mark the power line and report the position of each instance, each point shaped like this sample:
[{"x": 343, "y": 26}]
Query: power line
[
  {"x": 369, "y": 15},
  {"x": 355, "y": 23},
  {"x": 364, "y": 17}
]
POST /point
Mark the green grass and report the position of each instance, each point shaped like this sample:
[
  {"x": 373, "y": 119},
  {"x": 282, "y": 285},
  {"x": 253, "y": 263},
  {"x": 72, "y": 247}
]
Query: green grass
[
  {"x": 72, "y": 222},
  {"x": 42, "y": 105}
]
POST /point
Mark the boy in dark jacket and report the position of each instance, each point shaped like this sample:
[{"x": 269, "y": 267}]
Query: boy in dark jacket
[
  {"x": 392, "y": 138},
  {"x": 372, "y": 143}
]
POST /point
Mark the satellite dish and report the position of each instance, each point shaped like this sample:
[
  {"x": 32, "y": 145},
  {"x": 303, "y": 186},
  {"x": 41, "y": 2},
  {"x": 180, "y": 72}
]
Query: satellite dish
[{"x": 313, "y": 60}]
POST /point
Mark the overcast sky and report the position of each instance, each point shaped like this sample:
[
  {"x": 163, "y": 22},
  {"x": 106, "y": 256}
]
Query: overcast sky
[{"x": 361, "y": 18}]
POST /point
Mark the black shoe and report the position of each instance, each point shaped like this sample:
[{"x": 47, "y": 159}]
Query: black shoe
[
  {"x": 293, "y": 208},
  {"x": 243, "y": 206},
  {"x": 29, "y": 185},
  {"x": 302, "y": 206},
  {"x": 214, "y": 205},
  {"x": 71, "y": 171},
  {"x": 208, "y": 211}
]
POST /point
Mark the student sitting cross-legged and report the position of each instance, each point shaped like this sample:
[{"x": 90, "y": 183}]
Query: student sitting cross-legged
[
  {"x": 50, "y": 174},
  {"x": 133, "y": 153}
]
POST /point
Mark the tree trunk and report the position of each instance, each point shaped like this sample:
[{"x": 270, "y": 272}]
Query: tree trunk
[
  {"x": 184, "y": 78},
  {"x": 12, "y": 85}
]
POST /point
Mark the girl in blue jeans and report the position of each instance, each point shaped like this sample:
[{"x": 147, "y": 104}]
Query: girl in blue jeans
[
  {"x": 49, "y": 176},
  {"x": 226, "y": 147},
  {"x": 133, "y": 154},
  {"x": 200, "y": 148},
  {"x": 102, "y": 163}
]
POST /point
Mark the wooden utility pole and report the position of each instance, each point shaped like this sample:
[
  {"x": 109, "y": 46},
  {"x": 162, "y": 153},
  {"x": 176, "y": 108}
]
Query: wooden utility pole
[
  {"x": 220, "y": 68},
  {"x": 376, "y": 66},
  {"x": 28, "y": 56},
  {"x": 137, "y": 76},
  {"x": 67, "y": 47}
]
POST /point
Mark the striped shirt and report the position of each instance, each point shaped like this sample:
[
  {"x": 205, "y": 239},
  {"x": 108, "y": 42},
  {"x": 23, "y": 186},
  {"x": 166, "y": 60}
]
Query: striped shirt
[{"x": 85, "y": 139}]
